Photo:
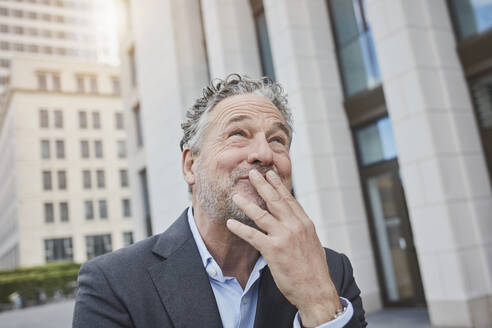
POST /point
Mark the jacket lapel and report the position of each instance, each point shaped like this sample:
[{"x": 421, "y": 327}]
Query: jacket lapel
[
  {"x": 181, "y": 280},
  {"x": 273, "y": 309}
]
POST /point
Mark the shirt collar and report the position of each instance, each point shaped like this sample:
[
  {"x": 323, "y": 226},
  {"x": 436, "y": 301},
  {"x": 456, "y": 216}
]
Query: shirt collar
[{"x": 207, "y": 258}]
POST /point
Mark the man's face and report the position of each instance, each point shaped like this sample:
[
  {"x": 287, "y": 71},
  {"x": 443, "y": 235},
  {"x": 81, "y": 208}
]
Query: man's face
[{"x": 245, "y": 132}]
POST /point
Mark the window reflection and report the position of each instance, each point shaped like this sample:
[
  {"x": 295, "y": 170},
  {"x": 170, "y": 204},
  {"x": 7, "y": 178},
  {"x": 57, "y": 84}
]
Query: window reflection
[
  {"x": 471, "y": 16},
  {"x": 376, "y": 142},
  {"x": 355, "y": 46}
]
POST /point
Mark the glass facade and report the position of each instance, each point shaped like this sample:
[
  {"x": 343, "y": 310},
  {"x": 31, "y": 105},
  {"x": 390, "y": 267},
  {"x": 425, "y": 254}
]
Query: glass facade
[
  {"x": 471, "y": 16},
  {"x": 355, "y": 47},
  {"x": 376, "y": 142}
]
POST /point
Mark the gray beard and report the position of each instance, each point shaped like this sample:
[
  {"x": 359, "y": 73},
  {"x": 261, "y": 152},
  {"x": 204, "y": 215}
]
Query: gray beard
[{"x": 215, "y": 197}]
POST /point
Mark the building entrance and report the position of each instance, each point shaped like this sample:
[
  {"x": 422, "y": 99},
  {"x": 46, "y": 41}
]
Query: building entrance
[{"x": 391, "y": 233}]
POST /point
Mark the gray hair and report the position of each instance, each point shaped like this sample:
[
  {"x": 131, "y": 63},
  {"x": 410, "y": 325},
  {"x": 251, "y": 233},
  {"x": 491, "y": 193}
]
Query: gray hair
[{"x": 234, "y": 84}]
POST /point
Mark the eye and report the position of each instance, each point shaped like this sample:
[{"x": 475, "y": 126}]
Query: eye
[
  {"x": 279, "y": 140},
  {"x": 238, "y": 133}
]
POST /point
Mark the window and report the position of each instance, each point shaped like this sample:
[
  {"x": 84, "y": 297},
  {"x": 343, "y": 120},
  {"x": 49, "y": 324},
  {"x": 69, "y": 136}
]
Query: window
[
  {"x": 146, "y": 201},
  {"x": 4, "y": 28},
  {"x": 33, "y": 48},
  {"x": 59, "y": 249},
  {"x": 263, "y": 40},
  {"x": 64, "y": 211},
  {"x": 123, "y": 178},
  {"x": 84, "y": 149},
  {"x": 126, "y": 208},
  {"x": 138, "y": 125},
  {"x": 119, "y": 121},
  {"x": 18, "y": 30},
  {"x": 103, "y": 209},
  {"x": 98, "y": 149},
  {"x": 127, "y": 238},
  {"x": 45, "y": 149},
  {"x": 133, "y": 67},
  {"x": 47, "y": 180},
  {"x": 18, "y": 47},
  {"x": 93, "y": 84},
  {"x": 80, "y": 83},
  {"x": 97, "y": 245},
  {"x": 4, "y": 11},
  {"x": 100, "y": 178},
  {"x": 42, "y": 82},
  {"x": 18, "y": 13},
  {"x": 56, "y": 82},
  {"x": 82, "y": 120},
  {"x": 43, "y": 118},
  {"x": 58, "y": 119},
  {"x": 62, "y": 179},
  {"x": 4, "y": 45},
  {"x": 375, "y": 142},
  {"x": 49, "y": 215},
  {"x": 355, "y": 46},
  {"x": 471, "y": 17},
  {"x": 96, "y": 120},
  {"x": 121, "y": 149},
  {"x": 4, "y": 62},
  {"x": 89, "y": 210},
  {"x": 60, "y": 149},
  {"x": 115, "y": 83},
  {"x": 86, "y": 179},
  {"x": 32, "y": 15}
]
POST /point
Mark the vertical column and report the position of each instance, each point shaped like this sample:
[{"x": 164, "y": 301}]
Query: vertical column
[
  {"x": 441, "y": 160},
  {"x": 231, "y": 38},
  {"x": 172, "y": 69},
  {"x": 325, "y": 172}
]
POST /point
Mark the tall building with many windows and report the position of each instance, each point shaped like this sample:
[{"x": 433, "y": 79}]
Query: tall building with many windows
[
  {"x": 392, "y": 106},
  {"x": 65, "y": 184},
  {"x": 77, "y": 29}
]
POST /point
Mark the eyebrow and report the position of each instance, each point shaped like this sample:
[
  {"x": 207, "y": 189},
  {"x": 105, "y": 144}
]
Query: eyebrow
[{"x": 278, "y": 125}]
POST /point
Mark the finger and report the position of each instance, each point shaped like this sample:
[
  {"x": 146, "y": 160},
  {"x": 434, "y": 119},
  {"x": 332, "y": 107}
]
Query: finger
[
  {"x": 264, "y": 220},
  {"x": 275, "y": 203},
  {"x": 282, "y": 190},
  {"x": 251, "y": 235}
]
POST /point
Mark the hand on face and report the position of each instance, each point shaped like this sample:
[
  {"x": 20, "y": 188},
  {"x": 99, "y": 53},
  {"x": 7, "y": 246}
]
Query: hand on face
[{"x": 291, "y": 248}]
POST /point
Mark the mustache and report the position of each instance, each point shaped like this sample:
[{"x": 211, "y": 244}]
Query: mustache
[{"x": 242, "y": 172}]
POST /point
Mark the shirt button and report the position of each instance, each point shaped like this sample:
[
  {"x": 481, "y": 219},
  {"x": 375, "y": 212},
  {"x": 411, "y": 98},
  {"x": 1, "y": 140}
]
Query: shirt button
[
  {"x": 212, "y": 272},
  {"x": 245, "y": 300}
]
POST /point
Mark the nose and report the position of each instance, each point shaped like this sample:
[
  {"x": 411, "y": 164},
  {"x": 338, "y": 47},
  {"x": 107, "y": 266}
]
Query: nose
[{"x": 260, "y": 153}]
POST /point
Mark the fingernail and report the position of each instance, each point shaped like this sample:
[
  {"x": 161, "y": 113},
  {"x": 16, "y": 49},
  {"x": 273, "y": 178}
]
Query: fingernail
[
  {"x": 236, "y": 198},
  {"x": 271, "y": 174},
  {"x": 255, "y": 174}
]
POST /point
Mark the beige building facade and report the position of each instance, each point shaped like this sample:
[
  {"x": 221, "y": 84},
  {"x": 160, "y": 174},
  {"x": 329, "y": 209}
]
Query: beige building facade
[
  {"x": 65, "y": 187},
  {"x": 392, "y": 155}
]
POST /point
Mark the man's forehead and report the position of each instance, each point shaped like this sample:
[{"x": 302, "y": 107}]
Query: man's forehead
[{"x": 241, "y": 107}]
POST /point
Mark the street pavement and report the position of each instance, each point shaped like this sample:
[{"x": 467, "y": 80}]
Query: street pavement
[{"x": 59, "y": 315}]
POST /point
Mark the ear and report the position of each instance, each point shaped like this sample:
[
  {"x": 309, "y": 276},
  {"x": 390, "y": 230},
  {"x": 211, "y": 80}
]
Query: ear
[{"x": 187, "y": 161}]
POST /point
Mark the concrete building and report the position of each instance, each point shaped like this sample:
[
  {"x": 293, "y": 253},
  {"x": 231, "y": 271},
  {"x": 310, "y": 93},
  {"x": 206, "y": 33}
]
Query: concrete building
[
  {"x": 77, "y": 29},
  {"x": 392, "y": 155},
  {"x": 65, "y": 189}
]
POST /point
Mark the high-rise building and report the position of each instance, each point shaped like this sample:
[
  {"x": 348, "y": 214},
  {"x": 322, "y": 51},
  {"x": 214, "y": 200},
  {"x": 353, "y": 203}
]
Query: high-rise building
[
  {"x": 392, "y": 155},
  {"x": 77, "y": 29},
  {"x": 64, "y": 194}
]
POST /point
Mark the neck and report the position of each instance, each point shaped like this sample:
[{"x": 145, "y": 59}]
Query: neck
[{"x": 235, "y": 256}]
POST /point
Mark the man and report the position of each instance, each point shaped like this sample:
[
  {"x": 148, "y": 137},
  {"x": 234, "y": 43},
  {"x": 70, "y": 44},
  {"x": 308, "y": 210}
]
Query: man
[{"x": 245, "y": 254}]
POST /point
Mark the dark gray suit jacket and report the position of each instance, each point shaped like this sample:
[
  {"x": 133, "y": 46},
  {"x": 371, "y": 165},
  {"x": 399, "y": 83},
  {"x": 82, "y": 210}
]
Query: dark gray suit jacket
[{"x": 161, "y": 282}]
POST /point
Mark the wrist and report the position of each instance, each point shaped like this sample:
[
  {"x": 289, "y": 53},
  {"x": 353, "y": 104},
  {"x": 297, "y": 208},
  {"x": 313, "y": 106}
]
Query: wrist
[{"x": 314, "y": 315}]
